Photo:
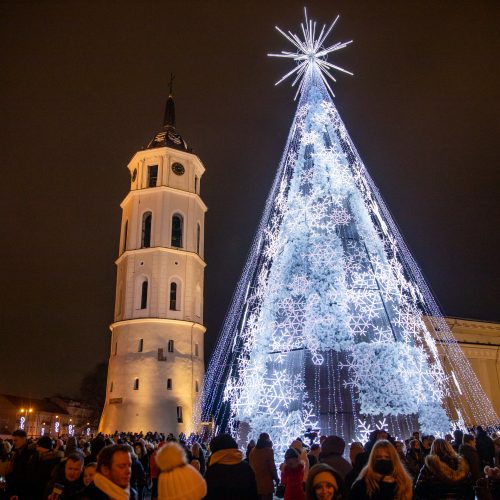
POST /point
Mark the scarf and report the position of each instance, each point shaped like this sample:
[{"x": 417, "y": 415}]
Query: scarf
[
  {"x": 230, "y": 456},
  {"x": 111, "y": 489}
]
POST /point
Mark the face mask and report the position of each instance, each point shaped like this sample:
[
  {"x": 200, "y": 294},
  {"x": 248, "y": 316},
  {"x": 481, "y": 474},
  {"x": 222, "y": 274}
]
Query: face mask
[{"x": 383, "y": 467}]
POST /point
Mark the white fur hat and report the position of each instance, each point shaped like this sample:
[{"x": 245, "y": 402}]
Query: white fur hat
[{"x": 178, "y": 480}]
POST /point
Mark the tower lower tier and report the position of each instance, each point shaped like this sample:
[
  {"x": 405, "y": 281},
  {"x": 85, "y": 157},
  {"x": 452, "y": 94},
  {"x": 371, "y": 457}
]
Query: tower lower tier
[{"x": 155, "y": 373}]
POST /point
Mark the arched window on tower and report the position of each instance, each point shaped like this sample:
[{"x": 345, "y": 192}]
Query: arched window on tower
[
  {"x": 177, "y": 230},
  {"x": 173, "y": 296},
  {"x": 125, "y": 233},
  {"x": 146, "y": 230},
  {"x": 195, "y": 183},
  {"x": 144, "y": 294},
  {"x": 198, "y": 237}
]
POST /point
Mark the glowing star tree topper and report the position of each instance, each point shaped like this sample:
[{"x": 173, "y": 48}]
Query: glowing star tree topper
[
  {"x": 332, "y": 326},
  {"x": 311, "y": 55}
]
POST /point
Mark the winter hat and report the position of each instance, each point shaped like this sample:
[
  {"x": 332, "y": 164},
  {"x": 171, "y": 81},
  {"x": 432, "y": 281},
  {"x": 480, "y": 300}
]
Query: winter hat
[
  {"x": 291, "y": 453},
  {"x": 45, "y": 442},
  {"x": 222, "y": 442},
  {"x": 178, "y": 480}
]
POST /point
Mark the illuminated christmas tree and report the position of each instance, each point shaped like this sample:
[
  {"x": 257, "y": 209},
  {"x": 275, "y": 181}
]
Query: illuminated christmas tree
[{"x": 332, "y": 326}]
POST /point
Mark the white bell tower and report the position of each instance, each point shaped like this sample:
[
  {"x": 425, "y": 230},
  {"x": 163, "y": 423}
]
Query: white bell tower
[{"x": 156, "y": 366}]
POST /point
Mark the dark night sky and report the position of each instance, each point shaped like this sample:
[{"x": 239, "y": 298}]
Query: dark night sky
[{"x": 83, "y": 87}]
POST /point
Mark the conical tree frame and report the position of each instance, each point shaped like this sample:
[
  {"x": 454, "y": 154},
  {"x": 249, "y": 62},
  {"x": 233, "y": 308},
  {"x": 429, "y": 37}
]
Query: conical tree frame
[{"x": 332, "y": 326}]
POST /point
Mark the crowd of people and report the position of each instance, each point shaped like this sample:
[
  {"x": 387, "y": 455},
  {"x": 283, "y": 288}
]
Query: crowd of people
[{"x": 155, "y": 466}]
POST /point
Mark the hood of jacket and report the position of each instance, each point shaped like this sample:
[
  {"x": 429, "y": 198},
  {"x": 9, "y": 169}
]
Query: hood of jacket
[{"x": 443, "y": 471}]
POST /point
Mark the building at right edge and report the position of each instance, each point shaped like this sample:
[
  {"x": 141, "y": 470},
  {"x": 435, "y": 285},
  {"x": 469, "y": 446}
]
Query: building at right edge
[{"x": 480, "y": 343}]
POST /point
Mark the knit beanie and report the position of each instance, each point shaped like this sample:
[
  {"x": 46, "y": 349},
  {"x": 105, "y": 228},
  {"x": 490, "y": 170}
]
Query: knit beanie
[
  {"x": 178, "y": 480},
  {"x": 291, "y": 453},
  {"x": 222, "y": 442},
  {"x": 45, "y": 442}
]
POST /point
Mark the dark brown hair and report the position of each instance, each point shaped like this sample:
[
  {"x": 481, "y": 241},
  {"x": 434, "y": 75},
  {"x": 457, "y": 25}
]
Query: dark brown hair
[{"x": 105, "y": 456}]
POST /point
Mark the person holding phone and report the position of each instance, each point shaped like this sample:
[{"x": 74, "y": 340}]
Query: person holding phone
[{"x": 68, "y": 479}]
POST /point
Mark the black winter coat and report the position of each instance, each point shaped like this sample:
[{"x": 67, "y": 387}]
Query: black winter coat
[
  {"x": 41, "y": 472},
  {"x": 92, "y": 492},
  {"x": 231, "y": 482},
  {"x": 359, "y": 492},
  {"x": 442, "y": 480},
  {"x": 18, "y": 481},
  {"x": 485, "y": 448},
  {"x": 414, "y": 462},
  {"x": 471, "y": 455}
]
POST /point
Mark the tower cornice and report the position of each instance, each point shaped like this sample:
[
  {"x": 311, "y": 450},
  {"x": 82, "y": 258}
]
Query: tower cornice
[
  {"x": 165, "y": 321},
  {"x": 166, "y": 189},
  {"x": 170, "y": 250}
]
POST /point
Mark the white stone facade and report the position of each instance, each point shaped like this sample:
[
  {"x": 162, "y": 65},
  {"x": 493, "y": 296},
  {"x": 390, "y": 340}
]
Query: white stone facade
[
  {"x": 156, "y": 365},
  {"x": 480, "y": 342}
]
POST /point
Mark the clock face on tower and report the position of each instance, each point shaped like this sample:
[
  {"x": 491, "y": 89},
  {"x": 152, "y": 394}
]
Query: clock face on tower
[{"x": 178, "y": 168}]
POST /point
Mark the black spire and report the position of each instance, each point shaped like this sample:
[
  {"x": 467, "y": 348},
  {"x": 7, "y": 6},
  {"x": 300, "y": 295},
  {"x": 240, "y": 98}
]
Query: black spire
[
  {"x": 169, "y": 136},
  {"x": 169, "y": 118}
]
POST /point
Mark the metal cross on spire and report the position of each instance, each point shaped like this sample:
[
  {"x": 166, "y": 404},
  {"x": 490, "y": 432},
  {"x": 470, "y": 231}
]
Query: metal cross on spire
[
  {"x": 311, "y": 54},
  {"x": 171, "y": 83}
]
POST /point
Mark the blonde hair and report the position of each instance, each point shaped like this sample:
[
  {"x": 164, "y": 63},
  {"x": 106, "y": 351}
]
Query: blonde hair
[
  {"x": 372, "y": 478},
  {"x": 443, "y": 448}
]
